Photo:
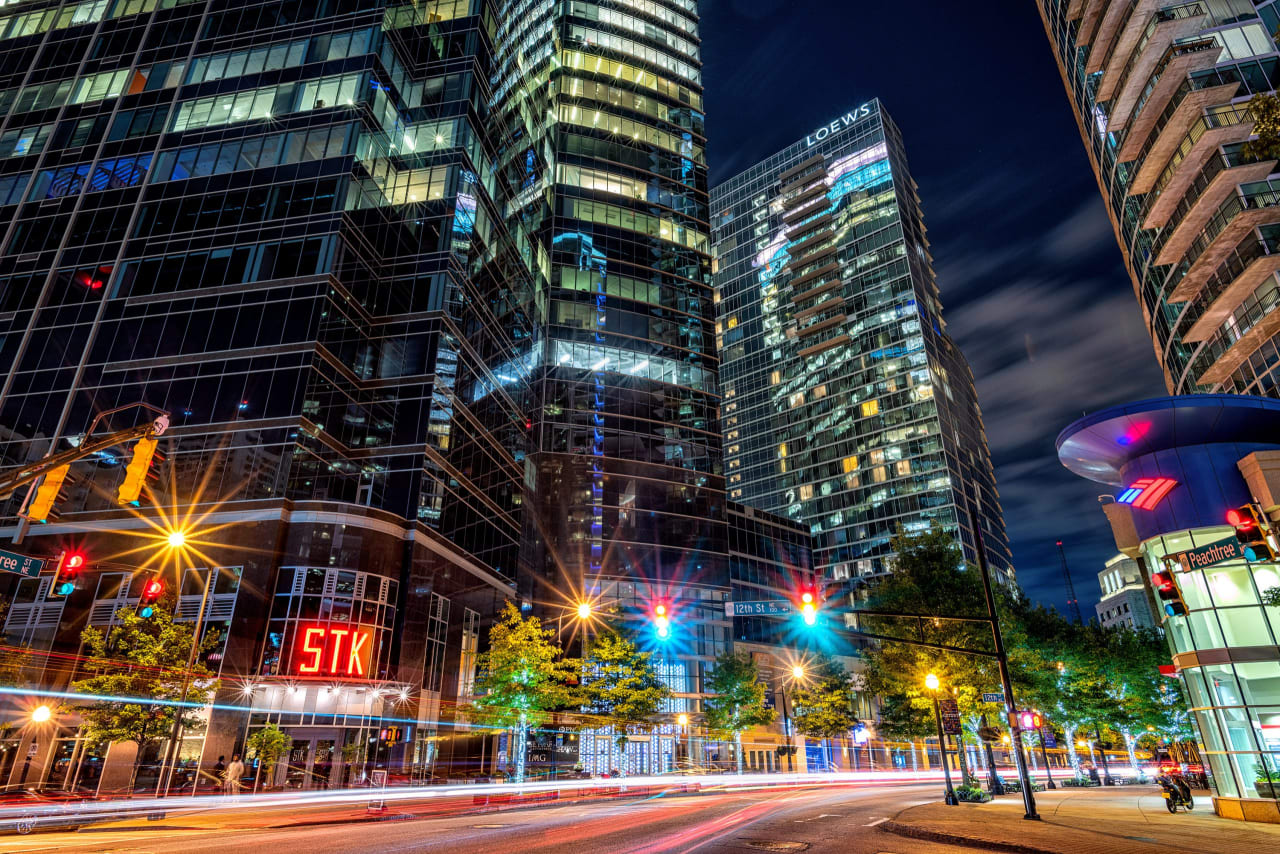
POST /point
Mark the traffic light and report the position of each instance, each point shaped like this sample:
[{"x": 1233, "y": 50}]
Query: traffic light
[
  {"x": 1167, "y": 591},
  {"x": 66, "y": 578},
  {"x": 1253, "y": 532},
  {"x": 135, "y": 474},
  {"x": 809, "y": 606},
  {"x": 661, "y": 621},
  {"x": 152, "y": 590},
  {"x": 42, "y": 505},
  {"x": 1029, "y": 720}
]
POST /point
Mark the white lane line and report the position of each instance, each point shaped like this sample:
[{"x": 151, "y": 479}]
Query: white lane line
[{"x": 877, "y": 821}]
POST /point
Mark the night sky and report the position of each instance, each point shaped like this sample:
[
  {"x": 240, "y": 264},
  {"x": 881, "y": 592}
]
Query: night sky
[{"x": 1031, "y": 277}]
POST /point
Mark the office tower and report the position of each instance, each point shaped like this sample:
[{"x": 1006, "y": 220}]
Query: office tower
[
  {"x": 1124, "y": 599},
  {"x": 1162, "y": 94},
  {"x": 846, "y": 405},
  {"x": 284, "y": 225},
  {"x": 603, "y": 102}
]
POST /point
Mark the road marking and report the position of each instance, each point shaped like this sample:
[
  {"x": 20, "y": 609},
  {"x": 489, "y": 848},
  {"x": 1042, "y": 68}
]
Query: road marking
[{"x": 877, "y": 821}]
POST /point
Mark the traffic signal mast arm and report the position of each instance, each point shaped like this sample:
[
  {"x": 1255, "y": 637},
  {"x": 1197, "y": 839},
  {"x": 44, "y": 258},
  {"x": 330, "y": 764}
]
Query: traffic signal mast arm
[{"x": 11, "y": 480}]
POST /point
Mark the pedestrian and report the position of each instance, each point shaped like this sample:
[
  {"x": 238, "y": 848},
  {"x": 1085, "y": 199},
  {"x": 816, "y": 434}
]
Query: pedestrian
[
  {"x": 235, "y": 771},
  {"x": 220, "y": 772}
]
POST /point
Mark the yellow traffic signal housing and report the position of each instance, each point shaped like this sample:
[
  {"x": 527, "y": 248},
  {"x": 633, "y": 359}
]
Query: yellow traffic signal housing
[
  {"x": 136, "y": 472},
  {"x": 42, "y": 505}
]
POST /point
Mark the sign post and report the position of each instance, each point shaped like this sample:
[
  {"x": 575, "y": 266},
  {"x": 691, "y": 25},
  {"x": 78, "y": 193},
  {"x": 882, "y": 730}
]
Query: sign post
[
  {"x": 378, "y": 780},
  {"x": 950, "y": 711},
  {"x": 27, "y": 567}
]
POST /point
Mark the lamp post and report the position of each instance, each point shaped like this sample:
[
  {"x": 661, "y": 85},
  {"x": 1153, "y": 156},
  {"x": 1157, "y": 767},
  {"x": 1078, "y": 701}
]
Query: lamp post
[
  {"x": 931, "y": 682},
  {"x": 797, "y": 675},
  {"x": 683, "y": 720}
]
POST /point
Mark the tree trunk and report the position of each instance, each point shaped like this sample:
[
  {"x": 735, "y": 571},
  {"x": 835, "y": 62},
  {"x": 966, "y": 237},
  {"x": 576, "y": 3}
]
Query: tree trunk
[
  {"x": 737, "y": 743},
  {"x": 1069, "y": 733},
  {"x": 522, "y": 745},
  {"x": 961, "y": 759},
  {"x": 1133, "y": 759},
  {"x": 1102, "y": 752}
]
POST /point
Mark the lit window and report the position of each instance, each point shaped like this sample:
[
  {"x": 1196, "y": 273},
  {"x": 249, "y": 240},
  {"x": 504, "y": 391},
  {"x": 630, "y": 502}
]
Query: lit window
[
  {"x": 850, "y": 464},
  {"x": 806, "y": 491},
  {"x": 869, "y": 408},
  {"x": 903, "y": 466}
]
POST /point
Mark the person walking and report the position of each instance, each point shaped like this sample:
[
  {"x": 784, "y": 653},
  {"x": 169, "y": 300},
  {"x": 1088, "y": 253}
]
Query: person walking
[
  {"x": 220, "y": 772},
  {"x": 235, "y": 771}
]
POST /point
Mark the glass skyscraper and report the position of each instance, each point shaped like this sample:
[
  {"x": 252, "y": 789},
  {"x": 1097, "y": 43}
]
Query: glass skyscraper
[
  {"x": 847, "y": 407},
  {"x": 1161, "y": 95},
  {"x": 603, "y": 102}
]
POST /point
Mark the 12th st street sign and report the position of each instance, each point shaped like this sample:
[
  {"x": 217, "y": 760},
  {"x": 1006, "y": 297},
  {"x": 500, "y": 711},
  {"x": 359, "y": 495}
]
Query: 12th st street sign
[
  {"x": 21, "y": 564},
  {"x": 767, "y": 608}
]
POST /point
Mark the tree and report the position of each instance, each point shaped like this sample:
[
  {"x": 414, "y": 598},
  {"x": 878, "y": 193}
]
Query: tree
[
  {"x": 1265, "y": 108},
  {"x": 620, "y": 682},
  {"x": 268, "y": 745},
  {"x": 823, "y": 706},
  {"x": 521, "y": 678},
  {"x": 737, "y": 701},
  {"x": 143, "y": 659}
]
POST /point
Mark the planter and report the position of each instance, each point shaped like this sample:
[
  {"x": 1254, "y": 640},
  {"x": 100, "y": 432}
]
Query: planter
[{"x": 1267, "y": 790}]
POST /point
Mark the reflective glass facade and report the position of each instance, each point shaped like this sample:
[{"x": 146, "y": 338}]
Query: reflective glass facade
[
  {"x": 603, "y": 102},
  {"x": 847, "y": 407},
  {"x": 1161, "y": 95}
]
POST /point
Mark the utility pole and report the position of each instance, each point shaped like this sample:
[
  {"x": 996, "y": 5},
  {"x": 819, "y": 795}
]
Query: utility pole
[
  {"x": 1028, "y": 796},
  {"x": 1072, "y": 602}
]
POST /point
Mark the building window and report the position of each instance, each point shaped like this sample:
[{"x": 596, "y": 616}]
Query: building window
[{"x": 870, "y": 407}]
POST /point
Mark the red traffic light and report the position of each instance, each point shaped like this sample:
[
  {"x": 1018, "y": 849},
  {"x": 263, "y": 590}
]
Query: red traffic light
[
  {"x": 1240, "y": 520},
  {"x": 75, "y": 560},
  {"x": 1162, "y": 581},
  {"x": 661, "y": 621},
  {"x": 151, "y": 591}
]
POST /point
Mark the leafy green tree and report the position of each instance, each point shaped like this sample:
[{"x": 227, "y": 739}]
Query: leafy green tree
[
  {"x": 737, "y": 699},
  {"x": 620, "y": 682},
  {"x": 143, "y": 659},
  {"x": 268, "y": 745},
  {"x": 823, "y": 704},
  {"x": 522, "y": 678},
  {"x": 1265, "y": 108}
]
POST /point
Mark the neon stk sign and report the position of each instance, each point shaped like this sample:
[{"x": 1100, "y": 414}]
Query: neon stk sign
[{"x": 333, "y": 651}]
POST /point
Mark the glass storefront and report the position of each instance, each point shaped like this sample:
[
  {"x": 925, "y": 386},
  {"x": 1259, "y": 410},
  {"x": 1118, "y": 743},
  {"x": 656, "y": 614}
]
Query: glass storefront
[{"x": 1234, "y": 685}]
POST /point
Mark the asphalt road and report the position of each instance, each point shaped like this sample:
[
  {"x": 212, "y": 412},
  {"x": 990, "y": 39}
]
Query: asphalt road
[{"x": 833, "y": 819}]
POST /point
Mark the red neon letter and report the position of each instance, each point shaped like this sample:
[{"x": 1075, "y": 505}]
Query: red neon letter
[
  {"x": 356, "y": 661},
  {"x": 314, "y": 666},
  {"x": 338, "y": 635}
]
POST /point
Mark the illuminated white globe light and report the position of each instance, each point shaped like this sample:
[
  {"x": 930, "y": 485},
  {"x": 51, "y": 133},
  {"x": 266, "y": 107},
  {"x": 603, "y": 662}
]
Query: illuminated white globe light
[
  {"x": 797, "y": 672},
  {"x": 41, "y": 714},
  {"x": 584, "y": 610},
  {"x": 177, "y": 540},
  {"x": 931, "y": 682}
]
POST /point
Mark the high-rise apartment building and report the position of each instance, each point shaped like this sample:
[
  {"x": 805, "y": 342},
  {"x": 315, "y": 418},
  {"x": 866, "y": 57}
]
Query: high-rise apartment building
[
  {"x": 1161, "y": 93},
  {"x": 846, "y": 405}
]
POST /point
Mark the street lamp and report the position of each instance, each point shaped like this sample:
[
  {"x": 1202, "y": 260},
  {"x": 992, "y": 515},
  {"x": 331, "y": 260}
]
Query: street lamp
[
  {"x": 797, "y": 675},
  {"x": 931, "y": 682},
  {"x": 176, "y": 539},
  {"x": 41, "y": 714},
  {"x": 584, "y": 610}
]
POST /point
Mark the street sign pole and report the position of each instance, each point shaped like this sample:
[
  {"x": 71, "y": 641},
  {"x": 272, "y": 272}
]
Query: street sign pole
[{"x": 1028, "y": 796}]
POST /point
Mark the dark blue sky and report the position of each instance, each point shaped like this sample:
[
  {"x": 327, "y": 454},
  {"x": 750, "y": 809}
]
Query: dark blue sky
[{"x": 1031, "y": 276}]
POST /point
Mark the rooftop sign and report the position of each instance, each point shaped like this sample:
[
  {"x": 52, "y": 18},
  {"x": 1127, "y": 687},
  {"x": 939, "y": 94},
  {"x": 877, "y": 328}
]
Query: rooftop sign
[{"x": 837, "y": 124}]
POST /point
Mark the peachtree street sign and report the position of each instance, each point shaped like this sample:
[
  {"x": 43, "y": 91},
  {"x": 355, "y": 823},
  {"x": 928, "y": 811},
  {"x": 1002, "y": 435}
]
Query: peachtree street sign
[
  {"x": 768, "y": 608},
  {"x": 21, "y": 564},
  {"x": 1217, "y": 552}
]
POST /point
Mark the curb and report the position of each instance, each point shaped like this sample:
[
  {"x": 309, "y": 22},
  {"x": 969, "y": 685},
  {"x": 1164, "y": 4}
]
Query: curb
[{"x": 914, "y": 832}]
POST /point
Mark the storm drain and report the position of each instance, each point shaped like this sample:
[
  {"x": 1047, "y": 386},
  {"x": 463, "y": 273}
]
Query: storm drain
[{"x": 773, "y": 845}]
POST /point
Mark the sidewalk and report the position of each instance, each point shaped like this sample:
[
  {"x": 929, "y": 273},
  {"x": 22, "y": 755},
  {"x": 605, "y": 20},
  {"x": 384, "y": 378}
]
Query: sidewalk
[{"x": 1129, "y": 820}]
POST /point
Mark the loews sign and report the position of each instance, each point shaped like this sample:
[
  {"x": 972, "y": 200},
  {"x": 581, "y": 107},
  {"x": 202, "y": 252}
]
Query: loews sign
[
  {"x": 838, "y": 124},
  {"x": 333, "y": 651}
]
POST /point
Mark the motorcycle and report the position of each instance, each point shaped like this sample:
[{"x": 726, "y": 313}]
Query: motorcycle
[{"x": 1176, "y": 792}]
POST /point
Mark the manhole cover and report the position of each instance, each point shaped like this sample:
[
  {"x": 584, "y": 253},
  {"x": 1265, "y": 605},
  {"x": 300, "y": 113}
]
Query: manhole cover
[{"x": 774, "y": 845}]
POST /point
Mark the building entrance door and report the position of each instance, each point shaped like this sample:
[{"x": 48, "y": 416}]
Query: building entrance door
[{"x": 311, "y": 760}]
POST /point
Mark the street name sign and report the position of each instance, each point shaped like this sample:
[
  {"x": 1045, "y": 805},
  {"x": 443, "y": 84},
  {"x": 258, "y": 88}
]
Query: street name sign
[
  {"x": 767, "y": 608},
  {"x": 1216, "y": 552},
  {"x": 28, "y": 567},
  {"x": 993, "y": 698}
]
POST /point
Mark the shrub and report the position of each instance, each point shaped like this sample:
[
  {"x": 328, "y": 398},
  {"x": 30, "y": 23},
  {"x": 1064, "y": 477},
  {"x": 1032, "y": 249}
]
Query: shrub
[{"x": 972, "y": 794}]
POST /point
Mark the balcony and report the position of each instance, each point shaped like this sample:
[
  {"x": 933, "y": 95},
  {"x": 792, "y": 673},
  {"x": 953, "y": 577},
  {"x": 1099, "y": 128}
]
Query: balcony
[
  {"x": 1251, "y": 270},
  {"x": 1159, "y": 72},
  {"x": 1144, "y": 41},
  {"x": 814, "y": 275},
  {"x": 1132, "y": 28},
  {"x": 1090, "y": 17},
  {"x": 821, "y": 289},
  {"x": 1226, "y": 229},
  {"x": 1173, "y": 163},
  {"x": 1120, "y": 18},
  {"x": 1253, "y": 327},
  {"x": 1074, "y": 9},
  {"x": 815, "y": 349},
  {"x": 1222, "y": 184},
  {"x": 1175, "y": 129},
  {"x": 814, "y": 257}
]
